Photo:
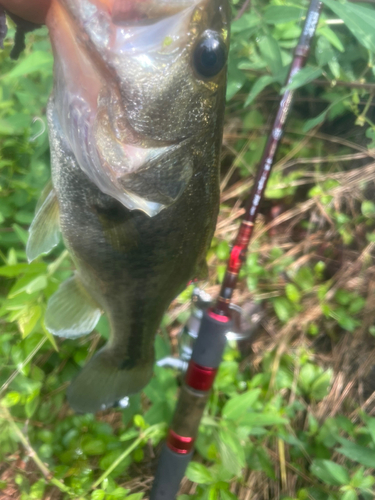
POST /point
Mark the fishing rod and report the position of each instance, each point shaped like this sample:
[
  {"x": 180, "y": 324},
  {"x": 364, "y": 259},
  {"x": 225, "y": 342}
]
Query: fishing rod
[{"x": 217, "y": 321}]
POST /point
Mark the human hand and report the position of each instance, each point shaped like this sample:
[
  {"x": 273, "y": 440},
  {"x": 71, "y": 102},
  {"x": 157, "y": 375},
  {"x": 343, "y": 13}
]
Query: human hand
[{"x": 34, "y": 11}]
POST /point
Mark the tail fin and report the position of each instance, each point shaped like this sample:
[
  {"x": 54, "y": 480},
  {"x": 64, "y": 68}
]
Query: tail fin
[{"x": 101, "y": 383}]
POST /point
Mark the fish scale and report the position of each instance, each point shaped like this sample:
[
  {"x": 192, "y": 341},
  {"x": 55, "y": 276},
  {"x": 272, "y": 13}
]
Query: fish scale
[{"x": 133, "y": 254}]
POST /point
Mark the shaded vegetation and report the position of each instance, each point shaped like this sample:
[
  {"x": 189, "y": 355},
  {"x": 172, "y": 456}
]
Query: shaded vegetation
[{"x": 291, "y": 415}]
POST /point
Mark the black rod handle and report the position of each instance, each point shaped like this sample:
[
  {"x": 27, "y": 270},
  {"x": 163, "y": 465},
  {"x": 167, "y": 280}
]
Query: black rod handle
[{"x": 170, "y": 472}]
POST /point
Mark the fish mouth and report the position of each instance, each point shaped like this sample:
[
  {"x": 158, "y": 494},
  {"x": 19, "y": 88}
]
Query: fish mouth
[
  {"x": 131, "y": 12},
  {"x": 120, "y": 25},
  {"x": 134, "y": 12}
]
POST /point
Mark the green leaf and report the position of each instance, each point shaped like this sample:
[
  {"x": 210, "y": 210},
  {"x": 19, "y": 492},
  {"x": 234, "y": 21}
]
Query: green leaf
[
  {"x": 225, "y": 495},
  {"x": 368, "y": 208},
  {"x": 356, "y": 305},
  {"x": 21, "y": 233},
  {"x": 270, "y": 51},
  {"x": 331, "y": 37},
  {"x": 93, "y": 446},
  {"x": 11, "y": 399},
  {"x": 37, "y": 490},
  {"x": 307, "y": 375},
  {"x": 357, "y": 453},
  {"x": 309, "y": 124},
  {"x": 248, "y": 20},
  {"x": 231, "y": 451},
  {"x": 284, "y": 309},
  {"x": 258, "y": 86},
  {"x": 320, "y": 386},
  {"x": 29, "y": 319},
  {"x": 9, "y": 128},
  {"x": 314, "y": 122},
  {"x": 360, "y": 20},
  {"x": 134, "y": 496},
  {"x": 129, "y": 435},
  {"x": 349, "y": 495},
  {"x": 50, "y": 337},
  {"x": 16, "y": 269},
  {"x": 120, "y": 494},
  {"x": 235, "y": 408},
  {"x": 263, "y": 419},
  {"x": 198, "y": 473},
  {"x": 304, "y": 278},
  {"x": 359, "y": 480},
  {"x": 98, "y": 495},
  {"x": 223, "y": 250},
  {"x": 266, "y": 463},
  {"x": 35, "y": 61},
  {"x": 31, "y": 406},
  {"x": 293, "y": 293},
  {"x": 236, "y": 79},
  {"x": 330, "y": 473},
  {"x": 344, "y": 319},
  {"x": 107, "y": 460},
  {"x": 304, "y": 76},
  {"x": 343, "y": 297},
  {"x": 28, "y": 284},
  {"x": 370, "y": 423},
  {"x": 279, "y": 14}
]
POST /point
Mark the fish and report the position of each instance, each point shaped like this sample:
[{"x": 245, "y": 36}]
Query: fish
[{"x": 135, "y": 128}]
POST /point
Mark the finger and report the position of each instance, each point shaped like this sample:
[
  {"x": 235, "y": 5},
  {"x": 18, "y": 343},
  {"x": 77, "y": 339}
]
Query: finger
[{"x": 31, "y": 10}]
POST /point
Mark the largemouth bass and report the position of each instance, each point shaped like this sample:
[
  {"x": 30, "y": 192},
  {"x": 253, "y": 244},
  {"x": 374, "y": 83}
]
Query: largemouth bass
[{"x": 135, "y": 122}]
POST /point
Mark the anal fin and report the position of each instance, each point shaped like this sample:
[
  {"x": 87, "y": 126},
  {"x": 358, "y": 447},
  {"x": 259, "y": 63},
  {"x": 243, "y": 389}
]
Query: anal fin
[
  {"x": 71, "y": 311},
  {"x": 44, "y": 232}
]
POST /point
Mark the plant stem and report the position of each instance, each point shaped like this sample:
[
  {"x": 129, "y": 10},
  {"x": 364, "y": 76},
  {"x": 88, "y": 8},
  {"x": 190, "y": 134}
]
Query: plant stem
[
  {"x": 22, "y": 365},
  {"x": 32, "y": 453},
  {"x": 145, "y": 434}
]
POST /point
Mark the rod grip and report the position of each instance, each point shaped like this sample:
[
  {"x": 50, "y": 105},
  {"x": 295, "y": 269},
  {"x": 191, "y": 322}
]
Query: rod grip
[
  {"x": 170, "y": 472},
  {"x": 209, "y": 346}
]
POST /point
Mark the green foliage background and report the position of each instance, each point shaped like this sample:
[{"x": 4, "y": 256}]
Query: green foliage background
[{"x": 268, "y": 429}]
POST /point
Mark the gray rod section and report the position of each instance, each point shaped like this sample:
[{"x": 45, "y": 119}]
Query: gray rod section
[
  {"x": 209, "y": 346},
  {"x": 169, "y": 474}
]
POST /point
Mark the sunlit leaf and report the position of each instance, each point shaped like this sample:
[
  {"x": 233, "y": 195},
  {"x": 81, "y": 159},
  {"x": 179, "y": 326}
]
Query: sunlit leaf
[
  {"x": 361, "y": 454},
  {"x": 35, "y": 61},
  {"x": 330, "y": 472},
  {"x": 236, "y": 407},
  {"x": 304, "y": 76},
  {"x": 198, "y": 473},
  {"x": 359, "y": 19}
]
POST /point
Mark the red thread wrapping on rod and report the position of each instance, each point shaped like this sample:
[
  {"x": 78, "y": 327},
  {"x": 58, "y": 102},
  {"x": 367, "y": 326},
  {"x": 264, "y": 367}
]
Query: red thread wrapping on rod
[
  {"x": 199, "y": 377},
  {"x": 218, "y": 317},
  {"x": 179, "y": 444},
  {"x": 235, "y": 259}
]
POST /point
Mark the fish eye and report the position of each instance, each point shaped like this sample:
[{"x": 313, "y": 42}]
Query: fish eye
[{"x": 210, "y": 55}]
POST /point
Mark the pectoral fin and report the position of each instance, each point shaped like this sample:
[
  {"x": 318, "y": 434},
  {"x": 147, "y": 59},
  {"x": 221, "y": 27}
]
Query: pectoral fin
[
  {"x": 44, "y": 232},
  {"x": 71, "y": 311}
]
